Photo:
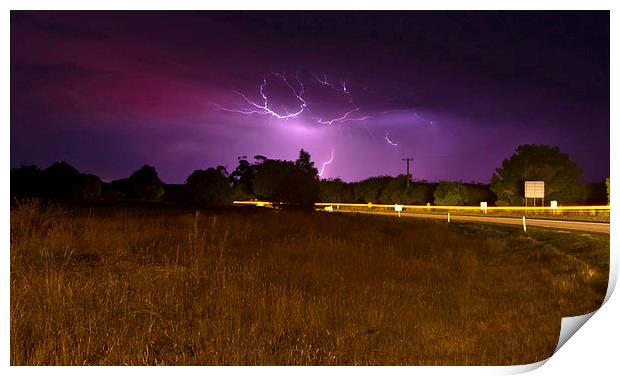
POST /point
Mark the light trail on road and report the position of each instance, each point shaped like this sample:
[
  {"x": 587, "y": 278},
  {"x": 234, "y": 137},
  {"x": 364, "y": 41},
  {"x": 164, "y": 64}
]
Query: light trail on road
[{"x": 587, "y": 226}]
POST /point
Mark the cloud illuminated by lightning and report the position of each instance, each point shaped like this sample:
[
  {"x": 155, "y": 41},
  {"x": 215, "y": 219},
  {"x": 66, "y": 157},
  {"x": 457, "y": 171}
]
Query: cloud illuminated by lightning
[
  {"x": 326, "y": 163},
  {"x": 431, "y": 122},
  {"x": 387, "y": 138},
  {"x": 296, "y": 87}
]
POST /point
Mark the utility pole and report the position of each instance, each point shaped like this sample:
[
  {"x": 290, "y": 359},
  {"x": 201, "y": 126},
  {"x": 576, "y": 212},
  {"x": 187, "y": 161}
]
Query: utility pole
[{"x": 408, "y": 174}]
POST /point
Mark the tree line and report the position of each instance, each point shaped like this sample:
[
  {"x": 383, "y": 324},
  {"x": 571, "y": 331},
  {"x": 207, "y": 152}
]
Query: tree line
[{"x": 297, "y": 184}]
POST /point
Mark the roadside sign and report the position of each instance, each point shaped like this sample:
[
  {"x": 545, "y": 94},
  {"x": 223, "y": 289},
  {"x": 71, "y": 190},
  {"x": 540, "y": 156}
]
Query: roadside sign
[
  {"x": 483, "y": 206},
  {"x": 398, "y": 208},
  {"x": 329, "y": 209},
  {"x": 534, "y": 189},
  {"x": 554, "y": 204}
]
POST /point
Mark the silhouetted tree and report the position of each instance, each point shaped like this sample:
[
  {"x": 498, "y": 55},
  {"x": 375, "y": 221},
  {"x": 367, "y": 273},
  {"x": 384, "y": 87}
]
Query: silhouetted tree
[
  {"x": 537, "y": 162},
  {"x": 174, "y": 193},
  {"x": 145, "y": 184},
  {"x": 335, "y": 190},
  {"x": 88, "y": 187},
  {"x": 594, "y": 193},
  {"x": 222, "y": 170},
  {"x": 242, "y": 179},
  {"x": 118, "y": 189},
  {"x": 477, "y": 193},
  {"x": 26, "y": 181},
  {"x": 58, "y": 180},
  {"x": 304, "y": 162},
  {"x": 209, "y": 188},
  {"x": 286, "y": 182},
  {"x": 260, "y": 158}
]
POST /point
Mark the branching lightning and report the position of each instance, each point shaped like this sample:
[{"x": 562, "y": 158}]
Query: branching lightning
[
  {"x": 342, "y": 89},
  {"x": 343, "y": 118},
  {"x": 326, "y": 163},
  {"x": 387, "y": 138},
  {"x": 265, "y": 108},
  {"x": 308, "y": 107}
]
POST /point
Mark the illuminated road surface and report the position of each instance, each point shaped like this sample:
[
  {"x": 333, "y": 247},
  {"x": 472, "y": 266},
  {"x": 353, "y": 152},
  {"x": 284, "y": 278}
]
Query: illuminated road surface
[{"x": 550, "y": 223}]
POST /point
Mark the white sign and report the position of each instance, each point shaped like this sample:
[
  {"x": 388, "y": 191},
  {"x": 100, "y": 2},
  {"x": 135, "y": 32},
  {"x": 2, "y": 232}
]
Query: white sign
[
  {"x": 329, "y": 208},
  {"x": 398, "y": 208},
  {"x": 534, "y": 189},
  {"x": 483, "y": 206},
  {"x": 554, "y": 204}
]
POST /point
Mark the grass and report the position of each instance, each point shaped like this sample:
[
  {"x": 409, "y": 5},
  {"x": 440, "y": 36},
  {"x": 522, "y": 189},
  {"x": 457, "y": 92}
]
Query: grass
[
  {"x": 565, "y": 215},
  {"x": 140, "y": 286}
]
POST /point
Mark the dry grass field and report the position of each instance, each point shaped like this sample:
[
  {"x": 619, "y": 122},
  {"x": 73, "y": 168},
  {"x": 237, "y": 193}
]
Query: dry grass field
[{"x": 124, "y": 286}]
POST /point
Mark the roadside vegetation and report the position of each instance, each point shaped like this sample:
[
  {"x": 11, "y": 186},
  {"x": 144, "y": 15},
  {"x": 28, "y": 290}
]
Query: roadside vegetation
[
  {"x": 297, "y": 184},
  {"x": 115, "y": 286}
]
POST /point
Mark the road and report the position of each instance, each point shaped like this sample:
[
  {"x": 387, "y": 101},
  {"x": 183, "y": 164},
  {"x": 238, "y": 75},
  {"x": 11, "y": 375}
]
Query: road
[{"x": 548, "y": 223}]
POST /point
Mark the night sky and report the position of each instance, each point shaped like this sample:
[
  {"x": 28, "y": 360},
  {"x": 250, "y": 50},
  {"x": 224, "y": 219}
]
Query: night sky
[{"x": 457, "y": 91}]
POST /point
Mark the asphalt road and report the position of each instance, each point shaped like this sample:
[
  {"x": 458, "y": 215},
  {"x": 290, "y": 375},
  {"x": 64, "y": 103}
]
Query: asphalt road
[{"x": 549, "y": 223}]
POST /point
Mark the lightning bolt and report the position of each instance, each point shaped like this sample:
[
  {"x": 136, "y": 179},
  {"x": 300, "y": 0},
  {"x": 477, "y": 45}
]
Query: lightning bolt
[
  {"x": 387, "y": 138},
  {"x": 342, "y": 89},
  {"x": 265, "y": 108},
  {"x": 326, "y": 163},
  {"x": 343, "y": 118}
]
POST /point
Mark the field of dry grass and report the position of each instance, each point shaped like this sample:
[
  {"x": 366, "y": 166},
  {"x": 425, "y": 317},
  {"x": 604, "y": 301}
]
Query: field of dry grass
[{"x": 263, "y": 287}]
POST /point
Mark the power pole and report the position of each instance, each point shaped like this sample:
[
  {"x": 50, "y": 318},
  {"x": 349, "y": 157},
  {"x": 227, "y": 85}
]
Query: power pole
[{"x": 408, "y": 174}]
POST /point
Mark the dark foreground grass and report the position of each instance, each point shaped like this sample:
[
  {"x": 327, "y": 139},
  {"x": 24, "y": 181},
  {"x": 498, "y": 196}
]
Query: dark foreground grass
[{"x": 265, "y": 287}]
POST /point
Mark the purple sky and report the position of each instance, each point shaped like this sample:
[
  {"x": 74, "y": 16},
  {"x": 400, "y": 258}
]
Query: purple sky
[{"x": 457, "y": 91}]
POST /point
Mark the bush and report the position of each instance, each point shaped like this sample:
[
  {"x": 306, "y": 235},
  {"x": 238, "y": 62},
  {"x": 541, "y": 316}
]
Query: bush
[{"x": 448, "y": 193}]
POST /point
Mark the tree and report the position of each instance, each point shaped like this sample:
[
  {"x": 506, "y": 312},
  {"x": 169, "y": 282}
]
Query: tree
[
  {"x": 537, "y": 162},
  {"x": 450, "y": 193},
  {"x": 477, "y": 193},
  {"x": 421, "y": 193},
  {"x": 607, "y": 185},
  {"x": 26, "y": 181},
  {"x": 118, "y": 189},
  {"x": 209, "y": 188},
  {"x": 242, "y": 179},
  {"x": 335, "y": 190},
  {"x": 304, "y": 162},
  {"x": 395, "y": 191},
  {"x": 88, "y": 187},
  {"x": 291, "y": 183},
  {"x": 58, "y": 180},
  {"x": 145, "y": 184},
  {"x": 369, "y": 190},
  {"x": 594, "y": 193}
]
